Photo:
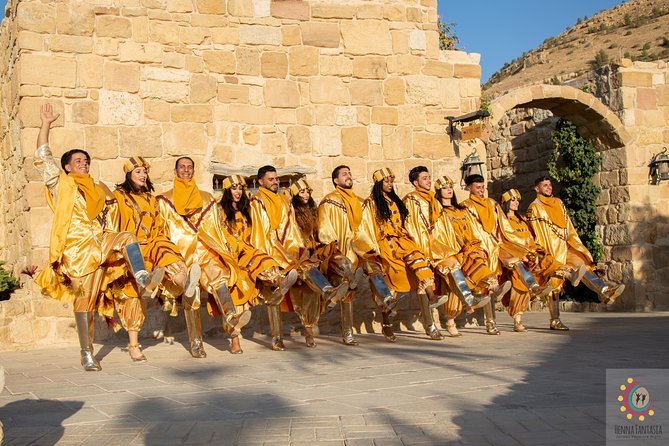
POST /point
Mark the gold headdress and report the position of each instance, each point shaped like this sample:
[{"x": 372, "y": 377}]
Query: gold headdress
[
  {"x": 510, "y": 195},
  {"x": 382, "y": 174},
  {"x": 135, "y": 162},
  {"x": 297, "y": 186},
  {"x": 233, "y": 180}
]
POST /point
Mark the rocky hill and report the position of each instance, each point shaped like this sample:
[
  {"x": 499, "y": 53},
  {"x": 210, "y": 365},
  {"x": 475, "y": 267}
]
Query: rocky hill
[{"x": 638, "y": 30}]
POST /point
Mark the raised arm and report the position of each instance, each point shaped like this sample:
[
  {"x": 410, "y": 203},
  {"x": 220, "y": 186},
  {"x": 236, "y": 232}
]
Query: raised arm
[
  {"x": 44, "y": 161},
  {"x": 48, "y": 116}
]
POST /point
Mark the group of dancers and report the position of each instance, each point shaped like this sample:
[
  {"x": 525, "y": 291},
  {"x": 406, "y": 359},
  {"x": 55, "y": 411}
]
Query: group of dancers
[{"x": 110, "y": 251}]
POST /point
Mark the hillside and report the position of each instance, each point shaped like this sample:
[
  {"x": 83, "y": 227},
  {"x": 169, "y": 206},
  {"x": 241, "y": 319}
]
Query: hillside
[{"x": 638, "y": 30}]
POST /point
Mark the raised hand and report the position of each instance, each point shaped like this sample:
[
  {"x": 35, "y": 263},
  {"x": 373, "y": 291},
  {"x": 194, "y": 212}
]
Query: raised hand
[{"x": 47, "y": 114}]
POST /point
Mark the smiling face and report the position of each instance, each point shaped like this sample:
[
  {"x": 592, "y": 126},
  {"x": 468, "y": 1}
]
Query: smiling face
[
  {"x": 78, "y": 164},
  {"x": 270, "y": 181},
  {"x": 477, "y": 189},
  {"x": 304, "y": 195},
  {"x": 544, "y": 188},
  {"x": 344, "y": 178},
  {"x": 388, "y": 184},
  {"x": 424, "y": 180},
  {"x": 236, "y": 191},
  {"x": 185, "y": 169},
  {"x": 138, "y": 177},
  {"x": 514, "y": 203}
]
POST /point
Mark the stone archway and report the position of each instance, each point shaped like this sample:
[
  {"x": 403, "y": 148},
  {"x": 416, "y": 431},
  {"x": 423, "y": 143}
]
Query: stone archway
[
  {"x": 594, "y": 119},
  {"x": 520, "y": 156}
]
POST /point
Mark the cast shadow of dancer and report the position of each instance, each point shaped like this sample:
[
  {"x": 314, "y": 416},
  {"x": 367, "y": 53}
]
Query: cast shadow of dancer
[{"x": 38, "y": 421}]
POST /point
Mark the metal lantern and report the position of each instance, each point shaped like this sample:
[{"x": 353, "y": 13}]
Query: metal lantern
[
  {"x": 659, "y": 167},
  {"x": 471, "y": 165}
]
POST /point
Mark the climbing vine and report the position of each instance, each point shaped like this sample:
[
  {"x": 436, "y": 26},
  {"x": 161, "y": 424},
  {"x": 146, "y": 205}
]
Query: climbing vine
[{"x": 573, "y": 163}]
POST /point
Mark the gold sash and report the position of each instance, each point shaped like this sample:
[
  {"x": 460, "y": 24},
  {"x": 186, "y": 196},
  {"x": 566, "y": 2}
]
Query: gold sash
[
  {"x": 353, "y": 207},
  {"x": 187, "y": 198}
]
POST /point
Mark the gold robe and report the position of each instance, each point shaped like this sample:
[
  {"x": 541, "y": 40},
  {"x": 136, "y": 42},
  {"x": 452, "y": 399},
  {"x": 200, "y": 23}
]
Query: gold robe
[
  {"x": 139, "y": 215},
  {"x": 335, "y": 225},
  {"x": 202, "y": 239},
  {"x": 473, "y": 259},
  {"x": 80, "y": 247},
  {"x": 561, "y": 241},
  {"x": 281, "y": 239},
  {"x": 540, "y": 263},
  {"x": 249, "y": 259},
  {"x": 495, "y": 232},
  {"x": 399, "y": 253}
]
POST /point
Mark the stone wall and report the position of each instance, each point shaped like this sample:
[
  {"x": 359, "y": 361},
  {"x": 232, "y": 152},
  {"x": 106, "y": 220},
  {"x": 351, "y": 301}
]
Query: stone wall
[
  {"x": 302, "y": 85},
  {"x": 518, "y": 150},
  {"x": 644, "y": 220},
  {"x": 242, "y": 83},
  {"x": 632, "y": 215}
]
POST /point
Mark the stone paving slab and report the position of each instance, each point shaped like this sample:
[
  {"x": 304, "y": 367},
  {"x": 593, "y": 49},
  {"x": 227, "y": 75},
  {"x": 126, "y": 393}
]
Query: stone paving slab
[{"x": 535, "y": 388}]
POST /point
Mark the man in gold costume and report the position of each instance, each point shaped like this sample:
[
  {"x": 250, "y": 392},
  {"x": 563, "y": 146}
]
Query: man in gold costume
[
  {"x": 193, "y": 222},
  {"x": 503, "y": 247},
  {"x": 433, "y": 241},
  {"x": 339, "y": 218},
  {"x": 86, "y": 252},
  {"x": 554, "y": 230},
  {"x": 275, "y": 232},
  {"x": 405, "y": 267}
]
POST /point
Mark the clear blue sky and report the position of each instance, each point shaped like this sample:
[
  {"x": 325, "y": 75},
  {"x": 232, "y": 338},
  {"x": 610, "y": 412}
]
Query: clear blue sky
[{"x": 503, "y": 30}]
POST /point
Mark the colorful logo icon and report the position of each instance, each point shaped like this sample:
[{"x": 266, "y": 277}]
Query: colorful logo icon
[{"x": 635, "y": 400}]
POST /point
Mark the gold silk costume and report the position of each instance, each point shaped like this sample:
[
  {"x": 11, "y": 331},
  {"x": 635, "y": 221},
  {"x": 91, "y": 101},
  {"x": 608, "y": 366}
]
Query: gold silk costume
[
  {"x": 139, "y": 215},
  {"x": 493, "y": 229},
  {"x": 250, "y": 260},
  {"x": 553, "y": 229},
  {"x": 473, "y": 259},
  {"x": 339, "y": 217},
  {"x": 85, "y": 254},
  {"x": 399, "y": 253},
  {"x": 201, "y": 238},
  {"x": 274, "y": 231}
]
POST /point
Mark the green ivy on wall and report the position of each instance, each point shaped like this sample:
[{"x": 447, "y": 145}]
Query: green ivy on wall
[{"x": 573, "y": 164}]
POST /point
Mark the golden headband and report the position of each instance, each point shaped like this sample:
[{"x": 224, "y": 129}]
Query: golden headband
[
  {"x": 297, "y": 186},
  {"x": 135, "y": 162},
  {"x": 442, "y": 182},
  {"x": 510, "y": 195},
  {"x": 233, "y": 180},
  {"x": 382, "y": 174}
]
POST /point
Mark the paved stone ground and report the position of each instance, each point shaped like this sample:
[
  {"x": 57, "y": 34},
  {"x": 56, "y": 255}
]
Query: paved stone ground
[{"x": 536, "y": 388}]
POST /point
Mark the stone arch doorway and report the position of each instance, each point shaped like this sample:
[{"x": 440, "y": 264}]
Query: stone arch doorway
[{"x": 519, "y": 147}]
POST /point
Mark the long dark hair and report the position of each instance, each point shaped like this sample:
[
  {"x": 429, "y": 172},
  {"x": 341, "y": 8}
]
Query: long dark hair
[
  {"x": 454, "y": 200},
  {"x": 243, "y": 206},
  {"x": 381, "y": 205},
  {"x": 306, "y": 214},
  {"x": 506, "y": 207},
  {"x": 128, "y": 186}
]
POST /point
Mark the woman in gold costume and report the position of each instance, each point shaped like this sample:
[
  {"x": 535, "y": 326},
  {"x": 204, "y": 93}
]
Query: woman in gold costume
[
  {"x": 304, "y": 298},
  {"x": 549, "y": 272},
  {"x": 454, "y": 229},
  {"x": 258, "y": 268},
  {"x": 139, "y": 215}
]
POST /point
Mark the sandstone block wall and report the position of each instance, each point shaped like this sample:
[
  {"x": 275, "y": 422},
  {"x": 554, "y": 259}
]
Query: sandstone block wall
[
  {"x": 632, "y": 215},
  {"x": 240, "y": 82}
]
